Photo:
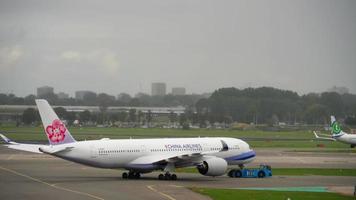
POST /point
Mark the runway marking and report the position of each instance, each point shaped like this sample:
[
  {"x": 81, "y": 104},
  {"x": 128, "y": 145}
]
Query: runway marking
[
  {"x": 50, "y": 185},
  {"x": 161, "y": 193},
  {"x": 300, "y": 160},
  {"x": 177, "y": 186},
  {"x": 10, "y": 157}
]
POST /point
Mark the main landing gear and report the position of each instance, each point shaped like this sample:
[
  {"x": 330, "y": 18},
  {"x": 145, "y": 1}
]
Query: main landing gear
[
  {"x": 137, "y": 175},
  {"x": 167, "y": 176},
  {"x": 131, "y": 175}
]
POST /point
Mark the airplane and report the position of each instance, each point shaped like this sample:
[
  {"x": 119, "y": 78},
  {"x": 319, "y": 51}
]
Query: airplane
[
  {"x": 210, "y": 155},
  {"x": 338, "y": 134}
]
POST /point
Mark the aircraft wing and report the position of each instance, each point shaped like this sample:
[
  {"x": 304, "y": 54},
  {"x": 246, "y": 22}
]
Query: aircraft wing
[
  {"x": 154, "y": 160},
  {"x": 164, "y": 158},
  {"x": 323, "y": 138},
  {"x": 54, "y": 149},
  {"x": 34, "y": 148}
]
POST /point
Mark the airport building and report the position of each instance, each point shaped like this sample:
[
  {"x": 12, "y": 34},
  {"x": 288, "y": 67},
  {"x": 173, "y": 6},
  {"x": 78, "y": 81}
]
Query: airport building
[
  {"x": 178, "y": 91},
  {"x": 158, "y": 89},
  {"x": 84, "y": 93},
  {"x": 12, "y": 112},
  {"x": 44, "y": 91},
  {"x": 62, "y": 95}
]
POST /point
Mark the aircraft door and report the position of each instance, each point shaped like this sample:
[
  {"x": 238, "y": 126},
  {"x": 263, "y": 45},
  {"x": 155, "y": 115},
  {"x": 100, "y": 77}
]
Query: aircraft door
[
  {"x": 205, "y": 147},
  {"x": 143, "y": 149},
  {"x": 93, "y": 151}
]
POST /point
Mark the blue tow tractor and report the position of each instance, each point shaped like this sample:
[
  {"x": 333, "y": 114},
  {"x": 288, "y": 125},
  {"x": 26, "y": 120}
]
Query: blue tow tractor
[{"x": 262, "y": 172}]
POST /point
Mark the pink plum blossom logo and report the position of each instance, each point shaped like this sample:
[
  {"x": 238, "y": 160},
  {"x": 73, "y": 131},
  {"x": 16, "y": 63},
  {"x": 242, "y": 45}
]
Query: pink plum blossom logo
[{"x": 56, "y": 132}]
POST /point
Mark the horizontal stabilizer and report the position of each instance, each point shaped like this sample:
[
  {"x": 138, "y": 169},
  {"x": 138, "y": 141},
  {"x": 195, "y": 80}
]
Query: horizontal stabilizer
[
  {"x": 26, "y": 147},
  {"x": 323, "y": 138},
  {"x": 34, "y": 148},
  {"x": 7, "y": 140}
]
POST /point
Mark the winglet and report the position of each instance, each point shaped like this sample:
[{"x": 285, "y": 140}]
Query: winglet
[
  {"x": 7, "y": 140},
  {"x": 316, "y": 135}
]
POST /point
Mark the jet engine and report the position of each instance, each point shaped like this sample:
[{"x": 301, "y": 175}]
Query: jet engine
[{"x": 213, "y": 167}]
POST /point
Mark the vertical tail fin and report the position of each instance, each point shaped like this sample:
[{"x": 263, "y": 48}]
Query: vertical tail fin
[
  {"x": 54, "y": 128},
  {"x": 335, "y": 127},
  {"x": 332, "y": 119}
]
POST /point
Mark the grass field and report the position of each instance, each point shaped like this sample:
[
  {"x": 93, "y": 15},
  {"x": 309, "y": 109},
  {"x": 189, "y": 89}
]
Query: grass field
[
  {"x": 296, "y": 171},
  {"x": 314, "y": 171},
  {"x": 257, "y": 139},
  {"x": 228, "y": 194}
]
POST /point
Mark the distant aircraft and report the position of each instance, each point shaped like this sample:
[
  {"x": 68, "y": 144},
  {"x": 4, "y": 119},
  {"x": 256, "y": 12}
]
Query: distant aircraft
[
  {"x": 211, "y": 155},
  {"x": 338, "y": 134}
]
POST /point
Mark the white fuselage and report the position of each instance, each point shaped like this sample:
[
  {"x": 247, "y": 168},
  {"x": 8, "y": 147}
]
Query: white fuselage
[
  {"x": 346, "y": 138},
  {"x": 119, "y": 153}
]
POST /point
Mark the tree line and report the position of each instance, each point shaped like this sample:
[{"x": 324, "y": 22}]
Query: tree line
[
  {"x": 270, "y": 105},
  {"x": 264, "y": 105},
  {"x": 103, "y": 99},
  {"x": 132, "y": 118}
]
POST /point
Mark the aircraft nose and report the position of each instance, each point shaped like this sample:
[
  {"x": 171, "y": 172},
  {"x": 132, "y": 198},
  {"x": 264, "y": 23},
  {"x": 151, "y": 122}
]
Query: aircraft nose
[{"x": 252, "y": 153}]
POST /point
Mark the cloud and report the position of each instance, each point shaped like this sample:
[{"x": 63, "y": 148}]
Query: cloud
[
  {"x": 9, "y": 56},
  {"x": 71, "y": 56},
  {"x": 104, "y": 59},
  {"x": 111, "y": 62}
]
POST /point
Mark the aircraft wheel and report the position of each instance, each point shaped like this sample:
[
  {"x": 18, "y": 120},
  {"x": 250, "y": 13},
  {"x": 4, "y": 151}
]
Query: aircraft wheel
[
  {"x": 238, "y": 174},
  {"x": 261, "y": 174},
  {"x": 137, "y": 175},
  {"x": 174, "y": 177},
  {"x": 161, "y": 177},
  {"x": 231, "y": 173},
  {"x": 132, "y": 175},
  {"x": 167, "y": 176},
  {"x": 124, "y": 175}
]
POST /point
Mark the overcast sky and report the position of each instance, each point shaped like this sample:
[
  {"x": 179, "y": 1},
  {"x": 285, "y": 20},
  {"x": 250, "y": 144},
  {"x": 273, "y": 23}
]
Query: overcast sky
[{"x": 123, "y": 46}]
